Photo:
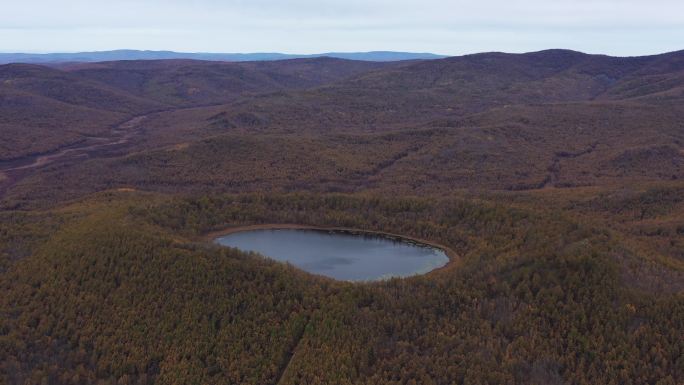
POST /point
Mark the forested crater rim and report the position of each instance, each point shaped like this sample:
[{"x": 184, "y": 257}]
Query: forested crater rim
[{"x": 451, "y": 256}]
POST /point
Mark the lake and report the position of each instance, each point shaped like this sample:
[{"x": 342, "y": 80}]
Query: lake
[{"x": 340, "y": 255}]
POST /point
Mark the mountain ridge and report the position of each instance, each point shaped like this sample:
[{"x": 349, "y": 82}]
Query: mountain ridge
[{"x": 126, "y": 54}]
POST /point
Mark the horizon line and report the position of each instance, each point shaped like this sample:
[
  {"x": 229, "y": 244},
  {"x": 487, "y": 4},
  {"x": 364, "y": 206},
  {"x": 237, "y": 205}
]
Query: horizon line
[{"x": 4, "y": 52}]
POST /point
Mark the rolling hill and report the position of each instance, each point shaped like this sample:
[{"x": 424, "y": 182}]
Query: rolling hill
[
  {"x": 48, "y": 108},
  {"x": 556, "y": 177},
  {"x": 489, "y": 121}
]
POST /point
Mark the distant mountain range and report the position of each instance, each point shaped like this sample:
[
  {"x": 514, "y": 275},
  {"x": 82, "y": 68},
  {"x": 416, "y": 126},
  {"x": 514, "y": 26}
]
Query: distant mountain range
[{"x": 99, "y": 56}]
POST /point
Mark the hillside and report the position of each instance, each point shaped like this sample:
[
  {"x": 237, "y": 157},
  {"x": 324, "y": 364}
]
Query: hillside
[
  {"x": 118, "y": 289},
  {"x": 555, "y": 177},
  {"x": 188, "y": 82},
  {"x": 490, "y": 121},
  {"x": 47, "y": 108}
]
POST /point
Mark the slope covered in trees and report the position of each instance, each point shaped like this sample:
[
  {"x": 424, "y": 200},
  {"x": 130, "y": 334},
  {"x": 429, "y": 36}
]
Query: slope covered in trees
[
  {"x": 44, "y": 108},
  {"x": 126, "y": 290},
  {"x": 555, "y": 176},
  {"x": 489, "y": 121}
]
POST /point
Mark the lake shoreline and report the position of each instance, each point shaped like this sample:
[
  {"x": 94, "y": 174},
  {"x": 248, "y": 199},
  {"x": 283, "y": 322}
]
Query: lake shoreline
[{"x": 454, "y": 258}]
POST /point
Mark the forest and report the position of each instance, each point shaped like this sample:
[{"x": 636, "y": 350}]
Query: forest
[
  {"x": 555, "y": 177},
  {"x": 126, "y": 289}
]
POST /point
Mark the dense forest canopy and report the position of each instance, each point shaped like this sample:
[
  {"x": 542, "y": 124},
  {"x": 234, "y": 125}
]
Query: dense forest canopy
[
  {"x": 555, "y": 177},
  {"x": 127, "y": 290}
]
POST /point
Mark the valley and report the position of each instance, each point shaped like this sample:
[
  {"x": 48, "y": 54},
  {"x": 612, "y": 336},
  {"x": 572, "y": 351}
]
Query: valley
[{"x": 13, "y": 170}]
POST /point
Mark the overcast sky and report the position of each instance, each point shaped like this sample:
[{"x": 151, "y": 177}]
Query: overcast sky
[{"x": 617, "y": 27}]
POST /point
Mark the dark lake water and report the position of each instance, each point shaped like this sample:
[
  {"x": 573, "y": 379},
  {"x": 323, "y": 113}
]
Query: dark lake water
[{"x": 340, "y": 255}]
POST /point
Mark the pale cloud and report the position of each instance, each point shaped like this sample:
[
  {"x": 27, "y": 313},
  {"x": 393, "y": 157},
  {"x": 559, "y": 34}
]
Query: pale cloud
[{"x": 620, "y": 27}]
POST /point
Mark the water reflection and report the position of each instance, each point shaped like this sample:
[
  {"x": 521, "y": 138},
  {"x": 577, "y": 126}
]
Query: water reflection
[{"x": 340, "y": 255}]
